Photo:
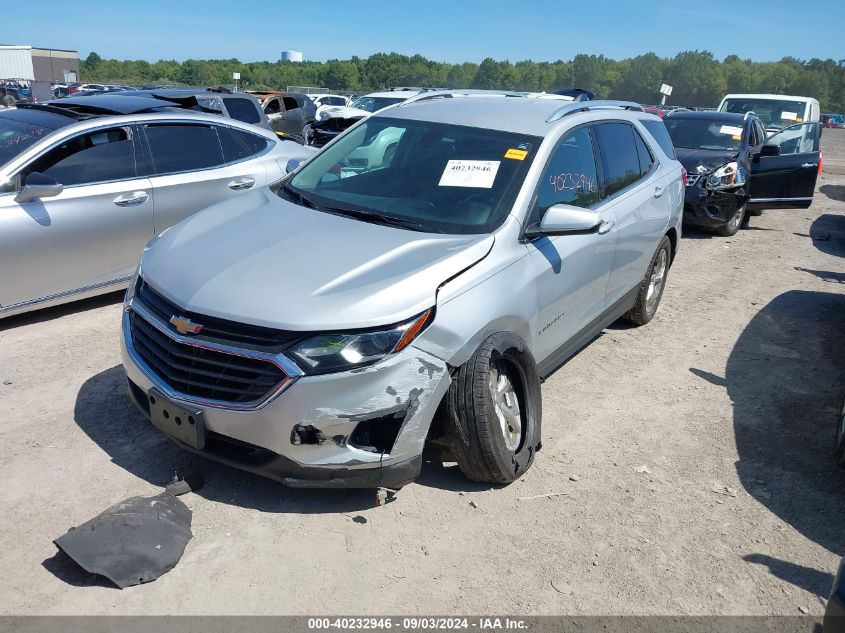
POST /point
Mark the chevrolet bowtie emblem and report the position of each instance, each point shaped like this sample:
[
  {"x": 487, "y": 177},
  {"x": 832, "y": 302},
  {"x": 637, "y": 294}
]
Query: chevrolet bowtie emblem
[{"x": 184, "y": 325}]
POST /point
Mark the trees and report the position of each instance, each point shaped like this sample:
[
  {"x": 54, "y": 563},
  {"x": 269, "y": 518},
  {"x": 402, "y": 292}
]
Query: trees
[{"x": 697, "y": 77}]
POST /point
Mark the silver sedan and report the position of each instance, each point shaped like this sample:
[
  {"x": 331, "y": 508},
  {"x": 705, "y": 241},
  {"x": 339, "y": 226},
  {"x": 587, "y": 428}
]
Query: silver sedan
[{"x": 82, "y": 193}]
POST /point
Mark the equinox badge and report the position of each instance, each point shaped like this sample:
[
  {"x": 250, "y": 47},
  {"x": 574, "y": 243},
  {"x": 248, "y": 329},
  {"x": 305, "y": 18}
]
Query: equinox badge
[{"x": 184, "y": 325}]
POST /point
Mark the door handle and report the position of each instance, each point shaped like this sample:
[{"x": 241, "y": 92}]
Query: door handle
[
  {"x": 658, "y": 191},
  {"x": 131, "y": 199},
  {"x": 242, "y": 183},
  {"x": 808, "y": 165},
  {"x": 605, "y": 226}
]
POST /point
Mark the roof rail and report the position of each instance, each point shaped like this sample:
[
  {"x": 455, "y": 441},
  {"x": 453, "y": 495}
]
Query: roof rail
[
  {"x": 448, "y": 94},
  {"x": 584, "y": 106}
]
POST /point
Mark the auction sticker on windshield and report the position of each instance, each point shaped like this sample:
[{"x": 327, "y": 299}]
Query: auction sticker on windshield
[
  {"x": 730, "y": 129},
  {"x": 469, "y": 173},
  {"x": 788, "y": 116}
]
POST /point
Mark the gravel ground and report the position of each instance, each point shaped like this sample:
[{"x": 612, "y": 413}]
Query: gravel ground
[{"x": 690, "y": 459}]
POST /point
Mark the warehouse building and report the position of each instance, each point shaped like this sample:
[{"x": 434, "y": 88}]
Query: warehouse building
[{"x": 38, "y": 64}]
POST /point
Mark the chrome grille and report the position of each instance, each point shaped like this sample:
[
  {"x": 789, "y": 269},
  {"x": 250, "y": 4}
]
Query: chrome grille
[{"x": 200, "y": 371}]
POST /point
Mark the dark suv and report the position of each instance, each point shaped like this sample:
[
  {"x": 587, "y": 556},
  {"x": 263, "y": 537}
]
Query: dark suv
[
  {"x": 735, "y": 170},
  {"x": 14, "y": 91}
]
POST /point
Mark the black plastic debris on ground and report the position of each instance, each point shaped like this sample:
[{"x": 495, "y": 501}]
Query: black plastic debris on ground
[{"x": 134, "y": 541}]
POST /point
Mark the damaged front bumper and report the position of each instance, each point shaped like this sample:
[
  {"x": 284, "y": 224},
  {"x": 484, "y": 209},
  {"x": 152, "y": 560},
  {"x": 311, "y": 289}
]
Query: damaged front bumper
[
  {"x": 354, "y": 429},
  {"x": 708, "y": 207}
]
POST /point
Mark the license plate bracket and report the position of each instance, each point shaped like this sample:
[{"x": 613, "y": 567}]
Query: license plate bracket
[{"x": 183, "y": 424}]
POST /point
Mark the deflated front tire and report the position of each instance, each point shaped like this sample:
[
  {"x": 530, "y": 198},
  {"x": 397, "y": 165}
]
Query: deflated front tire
[{"x": 494, "y": 411}]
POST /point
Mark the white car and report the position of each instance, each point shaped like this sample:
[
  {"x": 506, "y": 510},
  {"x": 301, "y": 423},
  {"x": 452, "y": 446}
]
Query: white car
[
  {"x": 323, "y": 100},
  {"x": 776, "y": 111}
]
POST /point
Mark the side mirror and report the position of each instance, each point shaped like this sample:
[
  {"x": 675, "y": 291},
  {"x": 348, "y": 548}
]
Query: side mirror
[
  {"x": 563, "y": 219},
  {"x": 770, "y": 150},
  {"x": 37, "y": 186}
]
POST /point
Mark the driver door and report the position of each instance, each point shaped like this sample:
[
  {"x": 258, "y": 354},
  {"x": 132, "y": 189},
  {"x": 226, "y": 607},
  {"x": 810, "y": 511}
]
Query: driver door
[
  {"x": 785, "y": 168},
  {"x": 88, "y": 235}
]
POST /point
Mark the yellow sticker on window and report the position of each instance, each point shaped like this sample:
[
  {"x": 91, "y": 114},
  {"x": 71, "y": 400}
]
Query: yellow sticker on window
[
  {"x": 516, "y": 154},
  {"x": 737, "y": 137}
]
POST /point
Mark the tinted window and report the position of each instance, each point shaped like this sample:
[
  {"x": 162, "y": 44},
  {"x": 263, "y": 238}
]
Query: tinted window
[
  {"x": 570, "y": 177},
  {"x": 619, "y": 155},
  {"x": 761, "y": 133},
  {"x": 16, "y": 136},
  {"x": 290, "y": 103},
  {"x": 178, "y": 147},
  {"x": 333, "y": 101},
  {"x": 238, "y": 145},
  {"x": 644, "y": 153},
  {"x": 658, "y": 130},
  {"x": 273, "y": 107},
  {"x": 242, "y": 110},
  {"x": 705, "y": 133},
  {"x": 96, "y": 157}
]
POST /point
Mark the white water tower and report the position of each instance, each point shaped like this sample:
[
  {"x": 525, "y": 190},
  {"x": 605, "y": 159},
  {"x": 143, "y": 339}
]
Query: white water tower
[{"x": 291, "y": 56}]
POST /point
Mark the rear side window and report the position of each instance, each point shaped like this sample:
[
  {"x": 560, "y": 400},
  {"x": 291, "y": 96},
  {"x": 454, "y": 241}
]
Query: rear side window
[
  {"x": 181, "y": 147},
  {"x": 239, "y": 145},
  {"x": 100, "y": 156},
  {"x": 618, "y": 150},
  {"x": 242, "y": 110},
  {"x": 644, "y": 153},
  {"x": 290, "y": 103},
  {"x": 658, "y": 130},
  {"x": 570, "y": 177}
]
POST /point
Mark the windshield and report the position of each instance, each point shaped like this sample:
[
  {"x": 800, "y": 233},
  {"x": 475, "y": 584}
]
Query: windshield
[
  {"x": 425, "y": 176},
  {"x": 16, "y": 136},
  {"x": 704, "y": 134},
  {"x": 374, "y": 104},
  {"x": 775, "y": 113}
]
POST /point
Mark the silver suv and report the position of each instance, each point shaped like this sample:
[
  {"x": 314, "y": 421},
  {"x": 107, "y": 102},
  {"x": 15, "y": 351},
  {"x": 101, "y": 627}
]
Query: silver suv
[{"x": 324, "y": 335}]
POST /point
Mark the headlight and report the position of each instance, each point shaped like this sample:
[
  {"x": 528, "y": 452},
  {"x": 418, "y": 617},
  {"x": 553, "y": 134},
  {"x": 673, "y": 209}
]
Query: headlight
[
  {"x": 726, "y": 176},
  {"x": 326, "y": 353}
]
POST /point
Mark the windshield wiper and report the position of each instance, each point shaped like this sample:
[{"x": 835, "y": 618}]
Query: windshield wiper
[
  {"x": 298, "y": 197},
  {"x": 380, "y": 218}
]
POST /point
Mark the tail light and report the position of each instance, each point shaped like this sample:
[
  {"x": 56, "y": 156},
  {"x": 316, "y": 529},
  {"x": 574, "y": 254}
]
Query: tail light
[{"x": 684, "y": 175}]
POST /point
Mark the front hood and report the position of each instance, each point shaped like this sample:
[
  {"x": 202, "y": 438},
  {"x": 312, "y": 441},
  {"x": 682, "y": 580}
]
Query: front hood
[
  {"x": 709, "y": 159},
  {"x": 262, "y": 260},
  {"x": 342, "y": 112}
]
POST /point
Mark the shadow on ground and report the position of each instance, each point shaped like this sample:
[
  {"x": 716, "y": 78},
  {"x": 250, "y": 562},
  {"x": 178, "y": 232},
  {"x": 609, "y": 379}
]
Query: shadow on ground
[
  {"x": 56, "y": 312},
  {"x": 105, "y": 413},
  {"x": 786, "y": 378},
  {"x": 834, "y": 192},
  {"x": 807, "y": 578}
]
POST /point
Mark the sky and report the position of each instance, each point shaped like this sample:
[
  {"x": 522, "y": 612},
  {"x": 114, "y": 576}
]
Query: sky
[{"x": 442, "y": 30}]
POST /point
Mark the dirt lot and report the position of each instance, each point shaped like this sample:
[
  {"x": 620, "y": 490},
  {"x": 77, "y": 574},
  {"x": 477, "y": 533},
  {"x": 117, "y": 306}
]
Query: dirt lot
[{"x": 694, "y": 454}]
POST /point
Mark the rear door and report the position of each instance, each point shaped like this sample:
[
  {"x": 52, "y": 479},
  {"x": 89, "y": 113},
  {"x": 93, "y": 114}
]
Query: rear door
[
  {"x": 196, "y": 165},
  {"x": 637, "y": 191},
  {"x": 89, "y": 235},
  {"x": 787, "y": 180}
]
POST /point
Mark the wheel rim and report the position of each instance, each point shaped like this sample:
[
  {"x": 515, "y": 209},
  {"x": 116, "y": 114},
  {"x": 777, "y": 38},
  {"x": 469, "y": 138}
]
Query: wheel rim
[
  {"x": 736, "y": 220},
  {"x": 506, "y": 405},
  {"x": 655, "y": 284}
]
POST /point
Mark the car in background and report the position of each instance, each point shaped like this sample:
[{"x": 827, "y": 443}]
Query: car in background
[
  {"x": 775, "y": 111},
  {"x": 321, "y": 100},
  {"x": 655, "y": 110},
  {"x": 734, "y": 169},
  {"x": 15, "y": 91},
  {"x": 84, "y": 186},
  {"x": 834, "y": 613},
  {"x": 288, "y": 113},
  {"x": 334, "y": 120},
  {"x": 234, "y": 105},
  {"x": 323, "y": 336},
  {"x": 833, "y": 120}
]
